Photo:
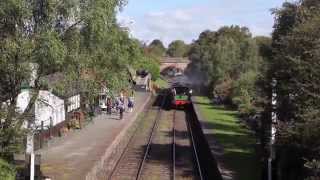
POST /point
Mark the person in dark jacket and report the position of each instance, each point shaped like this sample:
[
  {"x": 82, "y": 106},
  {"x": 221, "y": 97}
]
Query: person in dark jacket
[
  {"x": 109, "y": 105},
  {"x": 130, "y": 104},
  {"x": 121, "y": 109}
]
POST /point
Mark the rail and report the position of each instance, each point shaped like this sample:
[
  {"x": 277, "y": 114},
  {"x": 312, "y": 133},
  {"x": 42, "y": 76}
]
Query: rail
[
  {"x": 155, "y": 126},
  {"x": 126, "y": 148},
  {"x": 142, "y": 162},
  {"x": 123, "y": 153}
]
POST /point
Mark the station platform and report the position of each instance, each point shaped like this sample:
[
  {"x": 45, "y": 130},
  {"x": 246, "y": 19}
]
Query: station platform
[{"x": 85, "y": 153}]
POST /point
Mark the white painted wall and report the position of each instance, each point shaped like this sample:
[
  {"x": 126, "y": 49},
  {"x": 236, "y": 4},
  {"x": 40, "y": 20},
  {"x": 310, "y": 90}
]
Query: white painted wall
[
  {"x": 48, "y": 106},
  {"x": 23, "y": 100}
]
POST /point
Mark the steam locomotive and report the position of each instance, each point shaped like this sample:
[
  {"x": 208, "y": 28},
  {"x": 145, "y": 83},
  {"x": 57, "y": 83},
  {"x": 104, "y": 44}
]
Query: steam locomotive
[{"x": 181, "y": 95}]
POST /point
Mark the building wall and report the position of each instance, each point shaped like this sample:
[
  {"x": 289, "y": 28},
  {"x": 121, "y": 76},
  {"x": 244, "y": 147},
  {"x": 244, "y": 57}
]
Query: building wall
[
  {"x": 49, "y": 108},
  {"x": 23, "y": 100}
]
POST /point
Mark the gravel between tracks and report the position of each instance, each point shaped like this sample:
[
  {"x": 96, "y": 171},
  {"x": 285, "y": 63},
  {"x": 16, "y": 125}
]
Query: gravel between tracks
[
  {"x": 128, "y": 165},
  {"x": 159, "y": 160},
  {"x": 185, "y": 167}
]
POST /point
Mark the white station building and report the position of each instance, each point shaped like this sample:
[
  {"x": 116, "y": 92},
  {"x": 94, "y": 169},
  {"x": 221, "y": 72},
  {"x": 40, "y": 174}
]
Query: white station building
[{"x": 48, "y": 108}]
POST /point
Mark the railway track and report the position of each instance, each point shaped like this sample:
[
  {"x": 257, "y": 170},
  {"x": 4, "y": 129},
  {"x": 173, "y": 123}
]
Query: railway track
[
  {"x": 186, "y": 162},
  {"x": 127, "y": 167},
  {"x": 157, "y": 163},
  {"x": 163, "y": 149}
]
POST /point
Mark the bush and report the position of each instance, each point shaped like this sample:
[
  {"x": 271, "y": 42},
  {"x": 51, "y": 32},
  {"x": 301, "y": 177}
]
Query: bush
[
  {"x": 7, "y": 172},
  {"x": 151, "y": 65}
]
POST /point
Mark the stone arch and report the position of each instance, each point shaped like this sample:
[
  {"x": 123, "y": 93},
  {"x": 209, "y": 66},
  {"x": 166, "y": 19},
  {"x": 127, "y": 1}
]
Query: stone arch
[
  {"x": 171, "y": 68},
  {"x": 174, "y": 63}
]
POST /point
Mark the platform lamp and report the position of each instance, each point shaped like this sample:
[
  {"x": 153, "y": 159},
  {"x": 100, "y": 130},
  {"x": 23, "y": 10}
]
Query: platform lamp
[{"x": 273, "y": 129}]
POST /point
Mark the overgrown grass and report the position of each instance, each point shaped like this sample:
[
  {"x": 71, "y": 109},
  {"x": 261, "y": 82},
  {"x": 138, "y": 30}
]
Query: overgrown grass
[{"x": 237, "y": 141}]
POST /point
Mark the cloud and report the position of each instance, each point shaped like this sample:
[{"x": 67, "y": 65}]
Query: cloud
[
  {"x": 125, "y": 20},
  {"x": 187, "y": 23},
  {"x": 171, "y": 25}
]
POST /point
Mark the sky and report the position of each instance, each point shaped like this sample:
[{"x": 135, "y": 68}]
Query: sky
[{"x": 170, "y": 20}]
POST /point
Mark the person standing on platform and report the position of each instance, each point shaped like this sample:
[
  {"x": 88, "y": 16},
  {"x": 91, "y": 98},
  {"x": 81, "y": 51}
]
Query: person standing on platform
[
  {"x": 109, "y": 105},
  {"x": 121, "y": 97},
  {"x": 117, "y": 103},
  {"x": 121, "y": 109},
  {"x": 130, "y": 103}
]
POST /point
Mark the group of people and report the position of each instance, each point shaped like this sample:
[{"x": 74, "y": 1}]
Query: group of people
[{"x": 120, "y": 104}]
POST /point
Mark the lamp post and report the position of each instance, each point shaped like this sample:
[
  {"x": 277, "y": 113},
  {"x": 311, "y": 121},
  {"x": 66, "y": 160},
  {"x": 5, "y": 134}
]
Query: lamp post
[
  {"x": 30, "y": 151},
  {"x": 273, "y": 128}
]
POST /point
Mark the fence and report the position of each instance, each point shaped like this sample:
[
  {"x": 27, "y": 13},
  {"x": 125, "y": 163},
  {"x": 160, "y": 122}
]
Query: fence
[{"x": 43, "y": 133}]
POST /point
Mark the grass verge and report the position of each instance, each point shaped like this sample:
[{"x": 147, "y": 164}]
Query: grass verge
[{"x": 238, "y": 143}]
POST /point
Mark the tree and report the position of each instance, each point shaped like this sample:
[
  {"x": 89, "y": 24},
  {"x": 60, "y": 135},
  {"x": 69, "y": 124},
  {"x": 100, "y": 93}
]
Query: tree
[
  {"x": 201, "y": 54},
  {"x": 296, "y": 69},
  {"x": 80, "y": 39},
  {"x": 156, "y": 48},
  {"x": 224, "y": 57},
  {"x": 177, "y": 49},
  {"x": 6, "y": 171},
  {"x": 66, "y": 36},
  {"x": 150, "y": 64}
]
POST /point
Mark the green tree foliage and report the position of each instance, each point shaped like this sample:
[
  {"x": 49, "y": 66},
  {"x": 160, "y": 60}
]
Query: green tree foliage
[
  {"x": 177, "y": 48},
  {"x": 297, "y": 71},
  {"x": 7, "y": 172},
  {"x": 79, "y": 38},
  {"x": 244, "y": 92},
  {"x": 229, "y": 59},
  {"x": 202, "y": 56},
  {"x": 156, "y": 48},
  {"x": 152, "y": 65}
]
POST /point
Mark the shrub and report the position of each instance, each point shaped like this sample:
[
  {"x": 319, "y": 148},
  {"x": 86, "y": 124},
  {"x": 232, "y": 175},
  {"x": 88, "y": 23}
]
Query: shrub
[{"x": 7, "y": 171}]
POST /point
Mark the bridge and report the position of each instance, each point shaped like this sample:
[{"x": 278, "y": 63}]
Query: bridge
[{"x": 174, "y": 63}]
